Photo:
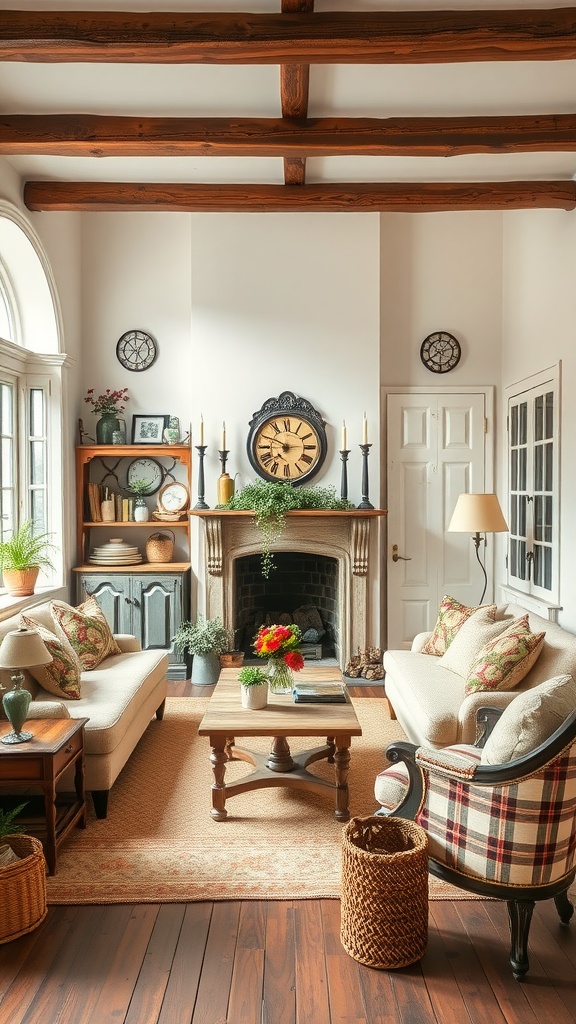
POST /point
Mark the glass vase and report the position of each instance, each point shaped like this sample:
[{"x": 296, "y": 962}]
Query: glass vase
[
  {"x": 105, "y": 428},
  {"x": 280, "y": 676}
]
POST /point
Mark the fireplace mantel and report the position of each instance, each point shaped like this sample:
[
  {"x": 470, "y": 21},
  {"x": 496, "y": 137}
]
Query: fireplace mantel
[{"x": 344, "y": 535}]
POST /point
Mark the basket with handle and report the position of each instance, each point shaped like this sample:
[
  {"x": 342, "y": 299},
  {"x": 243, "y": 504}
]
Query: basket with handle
[
  {"x": 22, "y": 888},
  {"x": 160, "y": 547}
]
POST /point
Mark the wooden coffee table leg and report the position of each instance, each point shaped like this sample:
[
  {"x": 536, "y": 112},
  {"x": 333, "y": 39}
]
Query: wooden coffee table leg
[
  {"x": 330, "y": 743},
  {"x": 219, "y": 759},
  {"x": 341, "y": 769}
]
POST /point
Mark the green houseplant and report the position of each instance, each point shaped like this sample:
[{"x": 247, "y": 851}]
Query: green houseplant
[
  {"x": 21, "y": 558},
  {"x": 206, "y": 640},
  {"x": 253, "y": 687}
]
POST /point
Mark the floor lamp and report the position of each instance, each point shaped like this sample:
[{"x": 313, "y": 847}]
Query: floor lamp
[{"x": 478, "y": 514}]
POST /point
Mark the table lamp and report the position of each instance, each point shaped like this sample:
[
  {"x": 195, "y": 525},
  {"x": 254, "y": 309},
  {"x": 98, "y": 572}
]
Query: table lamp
[
  {"x": 476, "y": 514},
  {"x": 21, "y": 648}
]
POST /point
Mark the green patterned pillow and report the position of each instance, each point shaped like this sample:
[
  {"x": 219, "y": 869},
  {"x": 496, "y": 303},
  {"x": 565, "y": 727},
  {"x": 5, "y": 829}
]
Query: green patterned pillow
[
  {"x": 87, "y": 630},
  {"x": 451, "y": 616},
  {"x": 62, "y": 676},
  {"x": 504, "y": 661}
]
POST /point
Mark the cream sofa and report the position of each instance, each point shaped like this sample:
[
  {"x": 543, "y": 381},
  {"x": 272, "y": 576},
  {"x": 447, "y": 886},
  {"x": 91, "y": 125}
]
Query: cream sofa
[
  {"x": 119, "y": 698},
  {"x": 429, "y": 700}
]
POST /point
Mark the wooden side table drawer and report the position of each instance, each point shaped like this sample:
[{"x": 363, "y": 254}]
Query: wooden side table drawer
[{"x": 63, "y": 758}]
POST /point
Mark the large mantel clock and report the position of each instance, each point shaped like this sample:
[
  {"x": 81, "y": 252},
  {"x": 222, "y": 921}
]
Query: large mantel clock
[{"x": 287, "y": 439}]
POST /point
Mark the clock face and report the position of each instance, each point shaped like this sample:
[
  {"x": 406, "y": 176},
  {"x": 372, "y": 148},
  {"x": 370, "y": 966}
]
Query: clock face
[
  {"x": 286, "y": 447},
  {"x": 136, "y": 350},
  {"x": 174, "y": 497},
  {"x": 440, "y": 352},
  {"x": 145, "y": 469}
]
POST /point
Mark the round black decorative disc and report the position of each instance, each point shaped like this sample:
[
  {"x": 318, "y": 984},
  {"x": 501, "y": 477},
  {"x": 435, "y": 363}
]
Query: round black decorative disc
[
  {"x": 440, "y": 352},
  {"x": 136, "y": 350}
]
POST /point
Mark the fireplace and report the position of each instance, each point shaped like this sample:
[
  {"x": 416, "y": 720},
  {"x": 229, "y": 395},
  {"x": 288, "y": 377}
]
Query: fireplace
[{"x": 342, "y": 547}]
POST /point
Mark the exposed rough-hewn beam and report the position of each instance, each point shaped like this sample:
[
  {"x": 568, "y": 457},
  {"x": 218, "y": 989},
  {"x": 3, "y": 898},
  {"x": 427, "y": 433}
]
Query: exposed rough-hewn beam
[
  {"x": 101, "y": 136},
  {"x": 333, "y": 198},
  {"x": 327, "y": 37},
  {"x": 294, "y": 90}
]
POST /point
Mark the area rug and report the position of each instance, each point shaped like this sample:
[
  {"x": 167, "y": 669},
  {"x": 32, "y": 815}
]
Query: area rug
[{"x": 159, "y": 843}]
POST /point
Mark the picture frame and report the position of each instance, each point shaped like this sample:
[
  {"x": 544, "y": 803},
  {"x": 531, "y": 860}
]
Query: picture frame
[{"x": 148, "y": 428}]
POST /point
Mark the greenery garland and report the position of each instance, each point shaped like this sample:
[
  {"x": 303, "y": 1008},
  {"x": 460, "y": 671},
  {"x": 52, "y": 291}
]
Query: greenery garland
[{"x": 271, "y": 501}]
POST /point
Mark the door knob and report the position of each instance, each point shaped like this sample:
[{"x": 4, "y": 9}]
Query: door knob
[{"x": 398, "y": 558}]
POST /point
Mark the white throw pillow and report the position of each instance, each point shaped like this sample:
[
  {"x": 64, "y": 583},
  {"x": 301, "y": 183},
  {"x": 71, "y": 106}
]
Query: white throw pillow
[
  {"x": 530, "y": 719},
  {"x": 472, "y": 636}
]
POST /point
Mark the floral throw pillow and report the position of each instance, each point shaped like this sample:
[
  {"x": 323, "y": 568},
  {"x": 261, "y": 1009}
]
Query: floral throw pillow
[
  {"x": 451, "y": 616},
  {"x": 87, "y": 630},
  {"x": 504, "y": 661},
  {"x": 62, "y": 675}
]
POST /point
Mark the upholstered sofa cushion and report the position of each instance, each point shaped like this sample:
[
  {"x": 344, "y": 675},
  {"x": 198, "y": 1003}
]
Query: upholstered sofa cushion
[
  {"x": 504, "y": 661},
  {"x": 391, "y": 785},
  {"x": 478, "y": 629},
  {"x": 62, "y": 675},
  {"x": 86, "y": 629},
  {"x": 451, "y": 617},
  {"x": 530, "y": 720}
]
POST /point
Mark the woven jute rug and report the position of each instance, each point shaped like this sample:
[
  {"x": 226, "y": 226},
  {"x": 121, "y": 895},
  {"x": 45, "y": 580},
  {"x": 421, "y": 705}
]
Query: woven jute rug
[{"x": 159, "y": 843}]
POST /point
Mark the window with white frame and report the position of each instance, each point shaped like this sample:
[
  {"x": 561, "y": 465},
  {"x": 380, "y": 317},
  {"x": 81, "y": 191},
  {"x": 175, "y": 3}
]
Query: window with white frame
[
  {"x": 533, "y": 465},
  {"x": 7, "y": 312}
]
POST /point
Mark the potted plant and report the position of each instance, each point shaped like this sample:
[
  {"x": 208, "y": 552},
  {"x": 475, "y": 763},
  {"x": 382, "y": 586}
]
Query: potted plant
[
  {"x": 22, "y": 879},
  {"x": 141, "y": 511},
  {"x": 253, "y": 687},
  {"x": 109, "y": 407},
  {"x": 21, "y": 558},
  {"x": 232, "y": 657},
  {"x": 206, "y": 640}
]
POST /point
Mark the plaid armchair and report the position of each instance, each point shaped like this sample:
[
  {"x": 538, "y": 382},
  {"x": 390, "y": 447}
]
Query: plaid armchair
[{"x": 507, "y": 831}]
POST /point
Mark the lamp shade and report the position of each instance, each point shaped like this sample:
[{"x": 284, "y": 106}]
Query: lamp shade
[
  {"x": 477, "y": 513},
  {"x": 23, "y": 648}
]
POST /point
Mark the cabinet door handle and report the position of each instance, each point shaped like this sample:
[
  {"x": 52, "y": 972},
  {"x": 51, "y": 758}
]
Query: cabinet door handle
[
  {"x": 398, "y": 558},
  {"x": 68, "y": 748},
  {"x": 135, "y": 602},
  {"x": 128, "y": 600}
]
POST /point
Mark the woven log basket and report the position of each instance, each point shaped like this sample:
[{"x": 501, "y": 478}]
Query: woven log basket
[
  {"x": 22, "y": 889},
  {"x": 384, "y": 891}
]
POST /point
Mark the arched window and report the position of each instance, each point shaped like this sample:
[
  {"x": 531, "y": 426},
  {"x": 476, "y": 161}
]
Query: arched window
[{"x": 31, "y": 438}]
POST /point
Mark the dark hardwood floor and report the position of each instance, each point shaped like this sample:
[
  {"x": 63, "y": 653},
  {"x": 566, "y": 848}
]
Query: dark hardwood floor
[{"x": 278, "y": 962}]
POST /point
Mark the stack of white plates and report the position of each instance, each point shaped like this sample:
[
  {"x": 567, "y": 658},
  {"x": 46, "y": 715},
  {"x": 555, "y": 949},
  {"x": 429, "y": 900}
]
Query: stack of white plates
[{"x": 115, "y": 552}]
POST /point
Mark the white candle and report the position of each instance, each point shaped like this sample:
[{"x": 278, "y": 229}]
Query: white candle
[
  {"x": 223, "y": 436},
  {"x": 201, "y": 430},
  {"x": 365, "y": 430},
  {"x": 343, "y": 435}
]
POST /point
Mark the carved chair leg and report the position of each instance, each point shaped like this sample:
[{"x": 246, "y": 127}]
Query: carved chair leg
[
  {"x": 519, "y": 916},
  {"x": 563, "y": 906}
]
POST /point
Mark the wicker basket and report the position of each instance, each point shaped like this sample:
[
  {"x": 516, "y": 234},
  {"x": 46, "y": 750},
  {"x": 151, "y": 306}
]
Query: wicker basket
[
  {"x": 22, "y": 889},
  {"x": 384, "y": 891},
  {"x": 160, "y": 547}
]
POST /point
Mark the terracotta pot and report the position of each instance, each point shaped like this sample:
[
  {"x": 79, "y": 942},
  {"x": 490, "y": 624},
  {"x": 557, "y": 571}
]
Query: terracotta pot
[
  {"x": 232, "y": 659},
  {"x": 20, "y": 582}
]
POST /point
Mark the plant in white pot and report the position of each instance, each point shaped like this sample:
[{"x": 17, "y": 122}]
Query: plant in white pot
[
  {"x": 206, "y": 640},
  {"x": 21, "y": 558},
  {"x": 253, "y": 687},
  {"x": 139, "y": 488}
]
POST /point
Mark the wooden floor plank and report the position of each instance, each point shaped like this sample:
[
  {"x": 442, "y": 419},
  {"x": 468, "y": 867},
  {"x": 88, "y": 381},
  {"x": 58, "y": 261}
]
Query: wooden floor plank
[
  {"x": 214, "y": 988},
  {"x": 129, "y": 949},
  {"x": 344, "y": 988},
  {"x": 153, "y": 979},
  {"x": 247, "y": 986},
  {"x": 279, "y": 999},
  {"x": 563, "y": 934},
  {"x": 312, "y": 1002},
  {"x": 445, "y": 996},
  {"x": 557, "y": 966},
  {"x": 28, "y": 961},
  {"x": 480, "y": 1002},
  {"x": 180, "y": 994}
]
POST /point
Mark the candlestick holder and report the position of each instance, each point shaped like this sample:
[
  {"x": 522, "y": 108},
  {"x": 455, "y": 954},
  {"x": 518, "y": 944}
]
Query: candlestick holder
[
  {"x": 344, "y": 453},
  {"x": 201, "y": 449},
  {"x": 223, "y": 456},
  {"x": 365, "y": 503},
  {"x": 225, "y": 484}
]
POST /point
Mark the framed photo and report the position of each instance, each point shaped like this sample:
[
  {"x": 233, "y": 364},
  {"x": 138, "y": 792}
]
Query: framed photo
[{"x": 148, "y": 429}]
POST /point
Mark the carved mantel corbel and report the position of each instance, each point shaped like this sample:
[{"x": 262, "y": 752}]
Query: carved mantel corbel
[{"x": 214, "y": 545}]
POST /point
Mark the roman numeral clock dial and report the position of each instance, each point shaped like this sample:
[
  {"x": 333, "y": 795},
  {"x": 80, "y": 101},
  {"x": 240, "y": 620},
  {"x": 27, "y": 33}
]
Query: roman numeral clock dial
[{"x": 287, "y": 439}]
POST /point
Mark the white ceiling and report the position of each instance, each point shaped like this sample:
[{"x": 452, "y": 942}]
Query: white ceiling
[{"x": 254, "y": 91}]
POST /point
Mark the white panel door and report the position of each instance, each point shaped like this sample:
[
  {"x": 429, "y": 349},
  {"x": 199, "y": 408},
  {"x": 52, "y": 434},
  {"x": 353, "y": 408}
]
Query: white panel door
[{"x": 436, "y": 451}]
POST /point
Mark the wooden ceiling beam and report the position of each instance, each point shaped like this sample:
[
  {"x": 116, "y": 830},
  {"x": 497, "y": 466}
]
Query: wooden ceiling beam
[
  {"x": 326, "y": 37},
  {"x": 393, "y": 197},
  {"x": 294, "y": 92},
  {"x": 101, "y": 136}
]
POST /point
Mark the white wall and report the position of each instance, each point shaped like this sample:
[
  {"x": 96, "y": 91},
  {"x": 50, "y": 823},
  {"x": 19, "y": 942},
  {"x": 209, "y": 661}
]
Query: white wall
[{"x": 538, "y": 330}]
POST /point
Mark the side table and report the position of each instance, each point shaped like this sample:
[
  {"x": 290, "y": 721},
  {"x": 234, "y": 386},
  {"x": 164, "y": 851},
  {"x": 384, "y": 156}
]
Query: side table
[{"x": 37, "y": 765}]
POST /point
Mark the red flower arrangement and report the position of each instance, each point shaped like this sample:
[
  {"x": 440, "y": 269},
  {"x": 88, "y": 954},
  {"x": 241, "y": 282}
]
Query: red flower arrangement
[
  {"x": 109, "y": 402},
  {"x": 280, "y": 643}
]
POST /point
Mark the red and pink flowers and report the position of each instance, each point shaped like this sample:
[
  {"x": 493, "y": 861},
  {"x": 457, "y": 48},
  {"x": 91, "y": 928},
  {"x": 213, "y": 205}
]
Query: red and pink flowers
[
  {"x": 109, "y": 402},
  {"x": 281, "y": 643}
]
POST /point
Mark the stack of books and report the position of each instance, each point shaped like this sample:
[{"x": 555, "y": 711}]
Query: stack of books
[{"x": 319, "y": 693}]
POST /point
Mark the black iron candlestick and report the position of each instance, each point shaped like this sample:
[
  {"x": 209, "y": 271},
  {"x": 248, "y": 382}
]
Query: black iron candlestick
[
  {"x": 201, "y": 449},
  {"x": 344, "y": 453},
  {"x": 223, "y": 456},
  {"x": 365, "y": 503}
]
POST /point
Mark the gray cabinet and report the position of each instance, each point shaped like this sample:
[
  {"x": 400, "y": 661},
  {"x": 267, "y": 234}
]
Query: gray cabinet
[{"x": 149, "y": 605}]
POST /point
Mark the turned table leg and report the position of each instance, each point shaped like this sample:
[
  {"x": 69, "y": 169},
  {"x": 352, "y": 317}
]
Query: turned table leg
[
  {"x": 341, "y": 769},
  {"x": 219, "y": 757}
]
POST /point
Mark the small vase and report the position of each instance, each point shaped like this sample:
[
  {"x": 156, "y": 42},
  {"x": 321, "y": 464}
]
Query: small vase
[
  {"x": 280, "y": 675},
  {"x": 105, "y": 428},
  {"x": 141, "y": 511},
  {"x": 254, "y": 697}
]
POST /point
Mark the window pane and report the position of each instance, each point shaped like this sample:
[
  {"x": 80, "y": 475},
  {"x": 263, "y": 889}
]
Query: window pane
[
  {"x": 6, "y": 406},
  {"x": 523, "y": 426},
  {"x": 37, "y": 452},
  {"x": 548, "y": 525},
  {"x": 514, "y": 425},
  {"x": 538, "y": 459},
  {"x": 549, "y": 467},
  {"x": 523, "y": 470},
  {"x": 37, "y": 412},
  {"x": 538, "y": 505},
  {"x": 514, "y": 514},
  {"x": 539, "y": 418},
  {"x": 549, "y": 414},
  {"x": 38, "y": 511},
  {"x": 514, "y": 470}
]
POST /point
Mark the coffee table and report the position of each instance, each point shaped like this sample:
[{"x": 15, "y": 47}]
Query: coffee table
[{"x": 225, "y": 719}]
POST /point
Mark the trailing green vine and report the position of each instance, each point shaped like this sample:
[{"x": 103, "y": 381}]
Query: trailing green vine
[{"x": 271, "y": 501}]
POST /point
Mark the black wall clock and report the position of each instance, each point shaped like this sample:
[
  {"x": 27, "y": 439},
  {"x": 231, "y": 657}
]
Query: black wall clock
[
  {"x": 287, "y": 439},
  {"x": 440, "y": 352},
  {"x": 136, "y": 350}
]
